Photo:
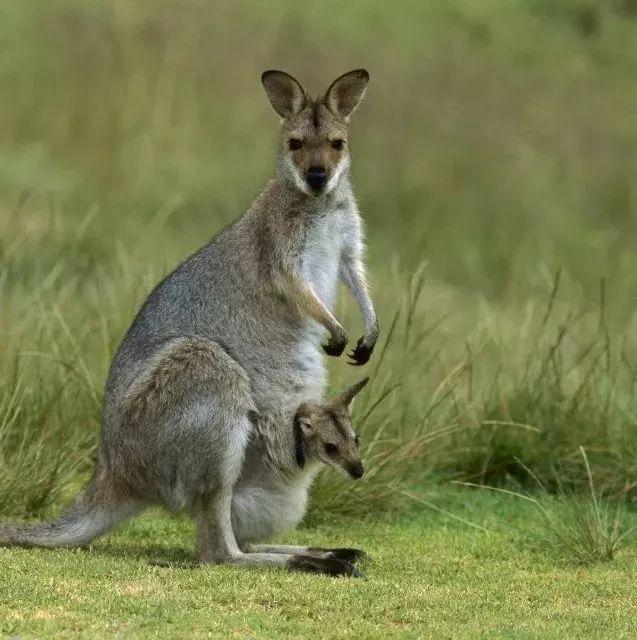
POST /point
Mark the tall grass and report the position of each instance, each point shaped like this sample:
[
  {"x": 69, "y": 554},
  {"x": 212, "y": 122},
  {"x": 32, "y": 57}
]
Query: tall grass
[
  {"x": 530, "y": 387},
  {"x": 494, "y": 151},
  {"x": 583, "y": 527}
]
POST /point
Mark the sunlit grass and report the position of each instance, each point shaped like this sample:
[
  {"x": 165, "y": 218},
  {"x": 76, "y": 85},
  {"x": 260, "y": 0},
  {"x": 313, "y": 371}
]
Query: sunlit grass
[{"x": 430, "y": 576}]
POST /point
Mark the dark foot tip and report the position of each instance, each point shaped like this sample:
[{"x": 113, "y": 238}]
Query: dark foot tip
[
  {"x": 342, "y": 553},
  {"x": 351, "y": 555},
  {"x": 325, "y": 566}
]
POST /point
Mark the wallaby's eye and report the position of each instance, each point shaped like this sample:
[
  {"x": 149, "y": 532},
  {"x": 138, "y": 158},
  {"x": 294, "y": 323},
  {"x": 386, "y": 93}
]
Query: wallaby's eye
[
  {"x": 338, "y": 144},
  {"x": 295, "y": 144},
  {"x": 356, "y": 439},
  {"x": 331, "y": 449}
]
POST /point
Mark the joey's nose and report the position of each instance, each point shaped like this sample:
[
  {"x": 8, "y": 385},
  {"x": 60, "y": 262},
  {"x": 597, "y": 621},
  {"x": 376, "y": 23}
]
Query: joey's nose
[
  {"x": 356, "y": 470},
  {"x": 316, "y": 177}
]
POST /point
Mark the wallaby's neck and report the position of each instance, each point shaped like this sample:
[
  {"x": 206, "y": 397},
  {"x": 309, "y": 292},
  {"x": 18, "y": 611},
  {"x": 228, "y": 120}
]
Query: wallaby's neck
[{"x": 274, "y": 451}]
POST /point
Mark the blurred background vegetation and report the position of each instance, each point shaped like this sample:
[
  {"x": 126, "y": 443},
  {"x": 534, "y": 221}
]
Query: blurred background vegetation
[{"x": 495, "y": 160}]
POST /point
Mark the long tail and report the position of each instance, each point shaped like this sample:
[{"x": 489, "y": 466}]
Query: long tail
[{"x": 95, "y": 511}]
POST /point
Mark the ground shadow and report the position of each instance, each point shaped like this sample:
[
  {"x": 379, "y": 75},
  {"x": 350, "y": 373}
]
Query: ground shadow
[{"x": 154, "y": 554}]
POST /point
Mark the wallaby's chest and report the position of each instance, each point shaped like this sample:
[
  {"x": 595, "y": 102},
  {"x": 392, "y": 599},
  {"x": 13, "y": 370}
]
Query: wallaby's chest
[{"x": 320, "y": 257}]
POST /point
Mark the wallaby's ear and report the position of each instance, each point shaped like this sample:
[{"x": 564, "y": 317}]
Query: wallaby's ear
[
  {"x": 302, "y": 427},
  {"x": 344, "y": 400},
  {"x": 302, "y": 430},
  {"x": 286, "y": 94},
  {"x": 346, "y": 92}
]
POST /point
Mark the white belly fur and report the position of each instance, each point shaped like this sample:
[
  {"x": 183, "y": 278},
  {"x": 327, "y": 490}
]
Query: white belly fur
[
  {"x": 320, "y": 264},
  {"x": 321, "y": 257},
  {"x": 259, "y": 512}
]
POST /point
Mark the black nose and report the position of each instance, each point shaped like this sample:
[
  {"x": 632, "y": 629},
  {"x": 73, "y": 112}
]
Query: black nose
[
  {"x": 316, "y": 177},
  {"x": 357, "y": 471}
]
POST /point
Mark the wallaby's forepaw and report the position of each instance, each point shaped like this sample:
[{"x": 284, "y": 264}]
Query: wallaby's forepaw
[
  {"x": 362, "y": 353},
  {"x": 327, "y": 566},
  {"x": 342, "y": 553},
  {"x": 336, "y": 345}
]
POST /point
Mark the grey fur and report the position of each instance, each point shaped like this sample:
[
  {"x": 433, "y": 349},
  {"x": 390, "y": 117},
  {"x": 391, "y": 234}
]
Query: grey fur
[{"x": 202, "y": 392}]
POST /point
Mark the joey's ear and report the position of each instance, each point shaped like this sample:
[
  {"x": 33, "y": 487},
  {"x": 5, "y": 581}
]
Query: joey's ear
[
  {"x": 302, "y": 428},
  {"x": 286, "y": 94},
  {"x": 346, "y": 92},
  {"x": 344, "y": 400}
]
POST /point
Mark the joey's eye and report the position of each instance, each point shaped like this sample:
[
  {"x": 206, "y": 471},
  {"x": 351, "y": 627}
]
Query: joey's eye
[
  {"x": 330, "y": 449},
  {"x": 338, "y": 144},
  {"x": 356, "y": 439},
  {"x": 295, "y": 144}
]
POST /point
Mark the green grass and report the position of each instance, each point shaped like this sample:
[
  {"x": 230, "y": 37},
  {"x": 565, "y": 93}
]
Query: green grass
[
  {"x": 430, "y": 577},
  {"x": 578, "y": 527}
]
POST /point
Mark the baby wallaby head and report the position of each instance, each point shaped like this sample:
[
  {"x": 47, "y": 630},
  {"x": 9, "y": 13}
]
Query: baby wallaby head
[
  {"x": 324, "y": 432},
  {"x": 313, "y": 151}
]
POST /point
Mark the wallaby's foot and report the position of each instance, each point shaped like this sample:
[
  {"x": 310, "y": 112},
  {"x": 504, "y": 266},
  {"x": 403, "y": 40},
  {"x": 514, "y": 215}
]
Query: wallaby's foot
[
  {"x": 331, "y": 566},
  {"x": 342, "y": 553},
  {"x": 362, "y": 353},
  {"x": 322, "y": 553},
  {"x": 328, "y": 565},
  {"x": 336, "y": 344}
]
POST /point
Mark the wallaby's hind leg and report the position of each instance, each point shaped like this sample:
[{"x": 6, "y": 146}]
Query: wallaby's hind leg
[
  {"x": 342, "y": 553},
  {"x": 215, "y": 539},
  {"x": 182, "y": 428},
  {"x": 216, "y": 543}
]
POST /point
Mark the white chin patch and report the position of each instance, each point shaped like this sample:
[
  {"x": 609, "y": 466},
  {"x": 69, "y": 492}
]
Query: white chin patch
[
  {"x": 299, "y": 181},
  {"x": 335, "y": 177},
  {"x": 302, "y": 186}
]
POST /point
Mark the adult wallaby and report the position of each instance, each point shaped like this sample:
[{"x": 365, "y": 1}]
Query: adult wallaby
[{"x": 227, "y": 347}]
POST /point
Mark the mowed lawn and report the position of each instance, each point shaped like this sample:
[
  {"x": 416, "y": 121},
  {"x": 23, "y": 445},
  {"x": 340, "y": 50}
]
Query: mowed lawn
[{"x": 431, "y": 576}]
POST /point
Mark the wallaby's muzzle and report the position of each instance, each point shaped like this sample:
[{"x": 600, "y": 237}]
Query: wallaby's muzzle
[
  {"x": 316, "y": 177},
  {"x": 356, "y": 470}
]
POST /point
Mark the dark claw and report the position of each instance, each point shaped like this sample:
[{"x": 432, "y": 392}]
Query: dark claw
[
  {"x": 342, "y": 553},
  {"x": 325, "y": 566},
  {"x": 333, "y": 348},
  {"x": 361, "y": 354}
]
